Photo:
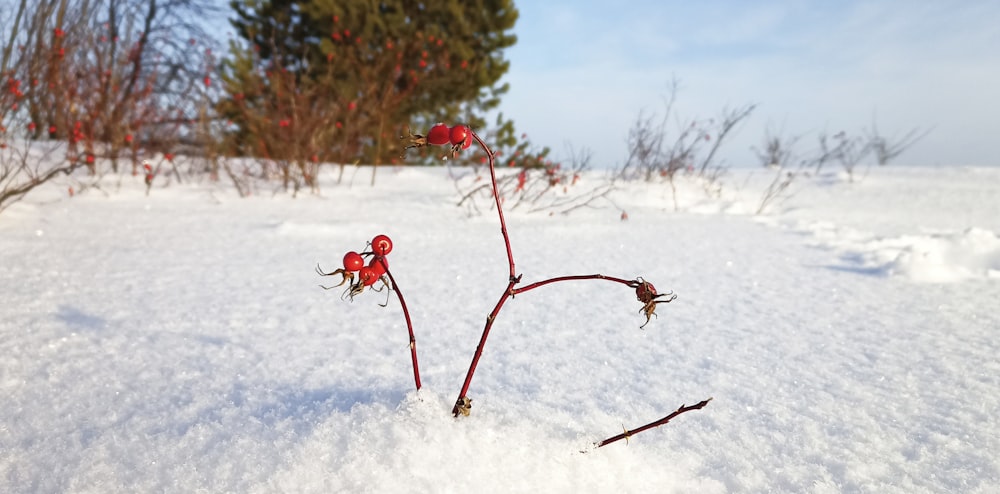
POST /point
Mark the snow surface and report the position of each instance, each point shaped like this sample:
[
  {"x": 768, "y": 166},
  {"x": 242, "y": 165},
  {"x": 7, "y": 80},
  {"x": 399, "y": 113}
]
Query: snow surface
[{"x": 180, "y": 343}]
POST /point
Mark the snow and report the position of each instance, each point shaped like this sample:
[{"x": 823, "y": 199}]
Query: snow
[{"x": 180, "y": 343}]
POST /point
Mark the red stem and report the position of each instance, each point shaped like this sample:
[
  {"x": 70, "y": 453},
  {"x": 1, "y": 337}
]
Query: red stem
[
  {"x": 629, "y": 283},
  {"x": 508, "y": 293},
  {"x": 496, "y": 197},
  {"x": 409, "y": 324},
  {"x": 463, "y": 400},
  {"x": 629, "y": 433},
  {"x": 463, "y": 403}
]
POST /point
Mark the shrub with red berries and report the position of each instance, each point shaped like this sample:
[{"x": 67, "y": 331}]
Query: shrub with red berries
[{"x": 460, "y": 137}]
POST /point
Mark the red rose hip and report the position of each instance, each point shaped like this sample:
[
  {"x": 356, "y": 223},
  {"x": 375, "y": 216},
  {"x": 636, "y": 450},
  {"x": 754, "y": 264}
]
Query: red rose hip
[
  {"x": 439, "y": 135},
  {"x": 381, "y": 245},
  {"x": 353, "y": 261},
  {"x": 458, "y": 135}
]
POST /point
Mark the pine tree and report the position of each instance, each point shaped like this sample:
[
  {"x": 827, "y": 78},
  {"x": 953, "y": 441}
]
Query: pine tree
[{"x": 362, "y": 71}]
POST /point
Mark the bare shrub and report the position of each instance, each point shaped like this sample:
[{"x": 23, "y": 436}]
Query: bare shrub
[
  {"x": 850, "y": 151},
  {"x": 114, "y": 80},
  {"x": 653, "y": 155},
  {"x": 777, "y": 155},
  {"x": 24, "y": 166},
  {"x": 886, "y": 149},
  {"x": 114, "y": 77},
  {"x": 824, "y": 153},
  {"x": 531, "y": 182}
]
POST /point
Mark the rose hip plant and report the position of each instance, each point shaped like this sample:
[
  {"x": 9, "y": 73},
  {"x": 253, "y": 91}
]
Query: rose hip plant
[
  {"x": 370, "y": 273},
  {"x": 370, "y": 269}
]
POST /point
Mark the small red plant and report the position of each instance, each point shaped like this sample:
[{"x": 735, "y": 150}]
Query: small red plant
[
  {"x": 377, "y": 269},
  {"x": 460, "y": 137}
]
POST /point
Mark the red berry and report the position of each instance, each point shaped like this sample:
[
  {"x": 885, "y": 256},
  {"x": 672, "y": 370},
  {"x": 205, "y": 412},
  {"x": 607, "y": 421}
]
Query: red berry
[
  {"x": 468, "y": 141},
  {"x": 367, "y": 276},
  {"x": 458, "y": 134},
  {"x": 381, "y": 245},
  {"x": 439, "y": 135},
  {"x": 353, "y": 261},
  {"x": 378, "y": 267}
]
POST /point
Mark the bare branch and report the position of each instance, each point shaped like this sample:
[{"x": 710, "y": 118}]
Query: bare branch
[{"x": 629, "y": 433}]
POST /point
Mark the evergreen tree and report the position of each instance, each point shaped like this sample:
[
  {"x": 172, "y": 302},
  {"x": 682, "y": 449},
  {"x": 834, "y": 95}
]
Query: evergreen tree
[{"x": 361, "y": 71}]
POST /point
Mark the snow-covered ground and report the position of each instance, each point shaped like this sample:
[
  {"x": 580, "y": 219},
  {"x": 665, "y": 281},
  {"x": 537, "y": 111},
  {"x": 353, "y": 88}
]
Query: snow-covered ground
[{"x": 180, "y": 342}]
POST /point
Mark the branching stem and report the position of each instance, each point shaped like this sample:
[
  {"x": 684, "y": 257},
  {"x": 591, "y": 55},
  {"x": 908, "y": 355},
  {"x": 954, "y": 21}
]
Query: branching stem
[
  {"x": 463, "y": 403},
  {"x": 644, "y": 292}
]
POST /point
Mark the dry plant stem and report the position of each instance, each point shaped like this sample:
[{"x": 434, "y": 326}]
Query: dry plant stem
[
  {"x": 409, "y": 324},
  {"x": 629, "y": 433}
]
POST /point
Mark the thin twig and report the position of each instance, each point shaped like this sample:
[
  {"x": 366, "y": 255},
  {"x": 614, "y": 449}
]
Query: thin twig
[
  {"x": 629, "y": 433},
  {"x": 496, "y": 197},
  {"x": 409, "y": 324},
  {"x": 629, "y": 283}
]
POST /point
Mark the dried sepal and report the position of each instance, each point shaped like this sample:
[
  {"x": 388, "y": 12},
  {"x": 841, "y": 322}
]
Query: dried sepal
[
  {"x": 462, "y": 406},
  {"x": 347, "y": 277},
  {"x": 645, "y": 292},
  {"x": 415, "y": 141}
]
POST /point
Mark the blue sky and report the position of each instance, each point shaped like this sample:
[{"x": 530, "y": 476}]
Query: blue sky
[{"x": 582, "y": 71}]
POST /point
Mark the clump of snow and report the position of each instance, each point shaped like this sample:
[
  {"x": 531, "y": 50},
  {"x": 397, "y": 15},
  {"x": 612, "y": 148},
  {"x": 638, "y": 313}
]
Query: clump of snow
[
  {"x": 180, "y": 343},
  {"x": 930, "y": 258},
  {"x": 975, "y": 253},
  {"x": 943, "y": 230}
]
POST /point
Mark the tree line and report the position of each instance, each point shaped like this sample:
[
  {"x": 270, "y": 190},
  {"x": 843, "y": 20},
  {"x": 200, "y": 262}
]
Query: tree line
[{"x": 291, "y": 83}]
